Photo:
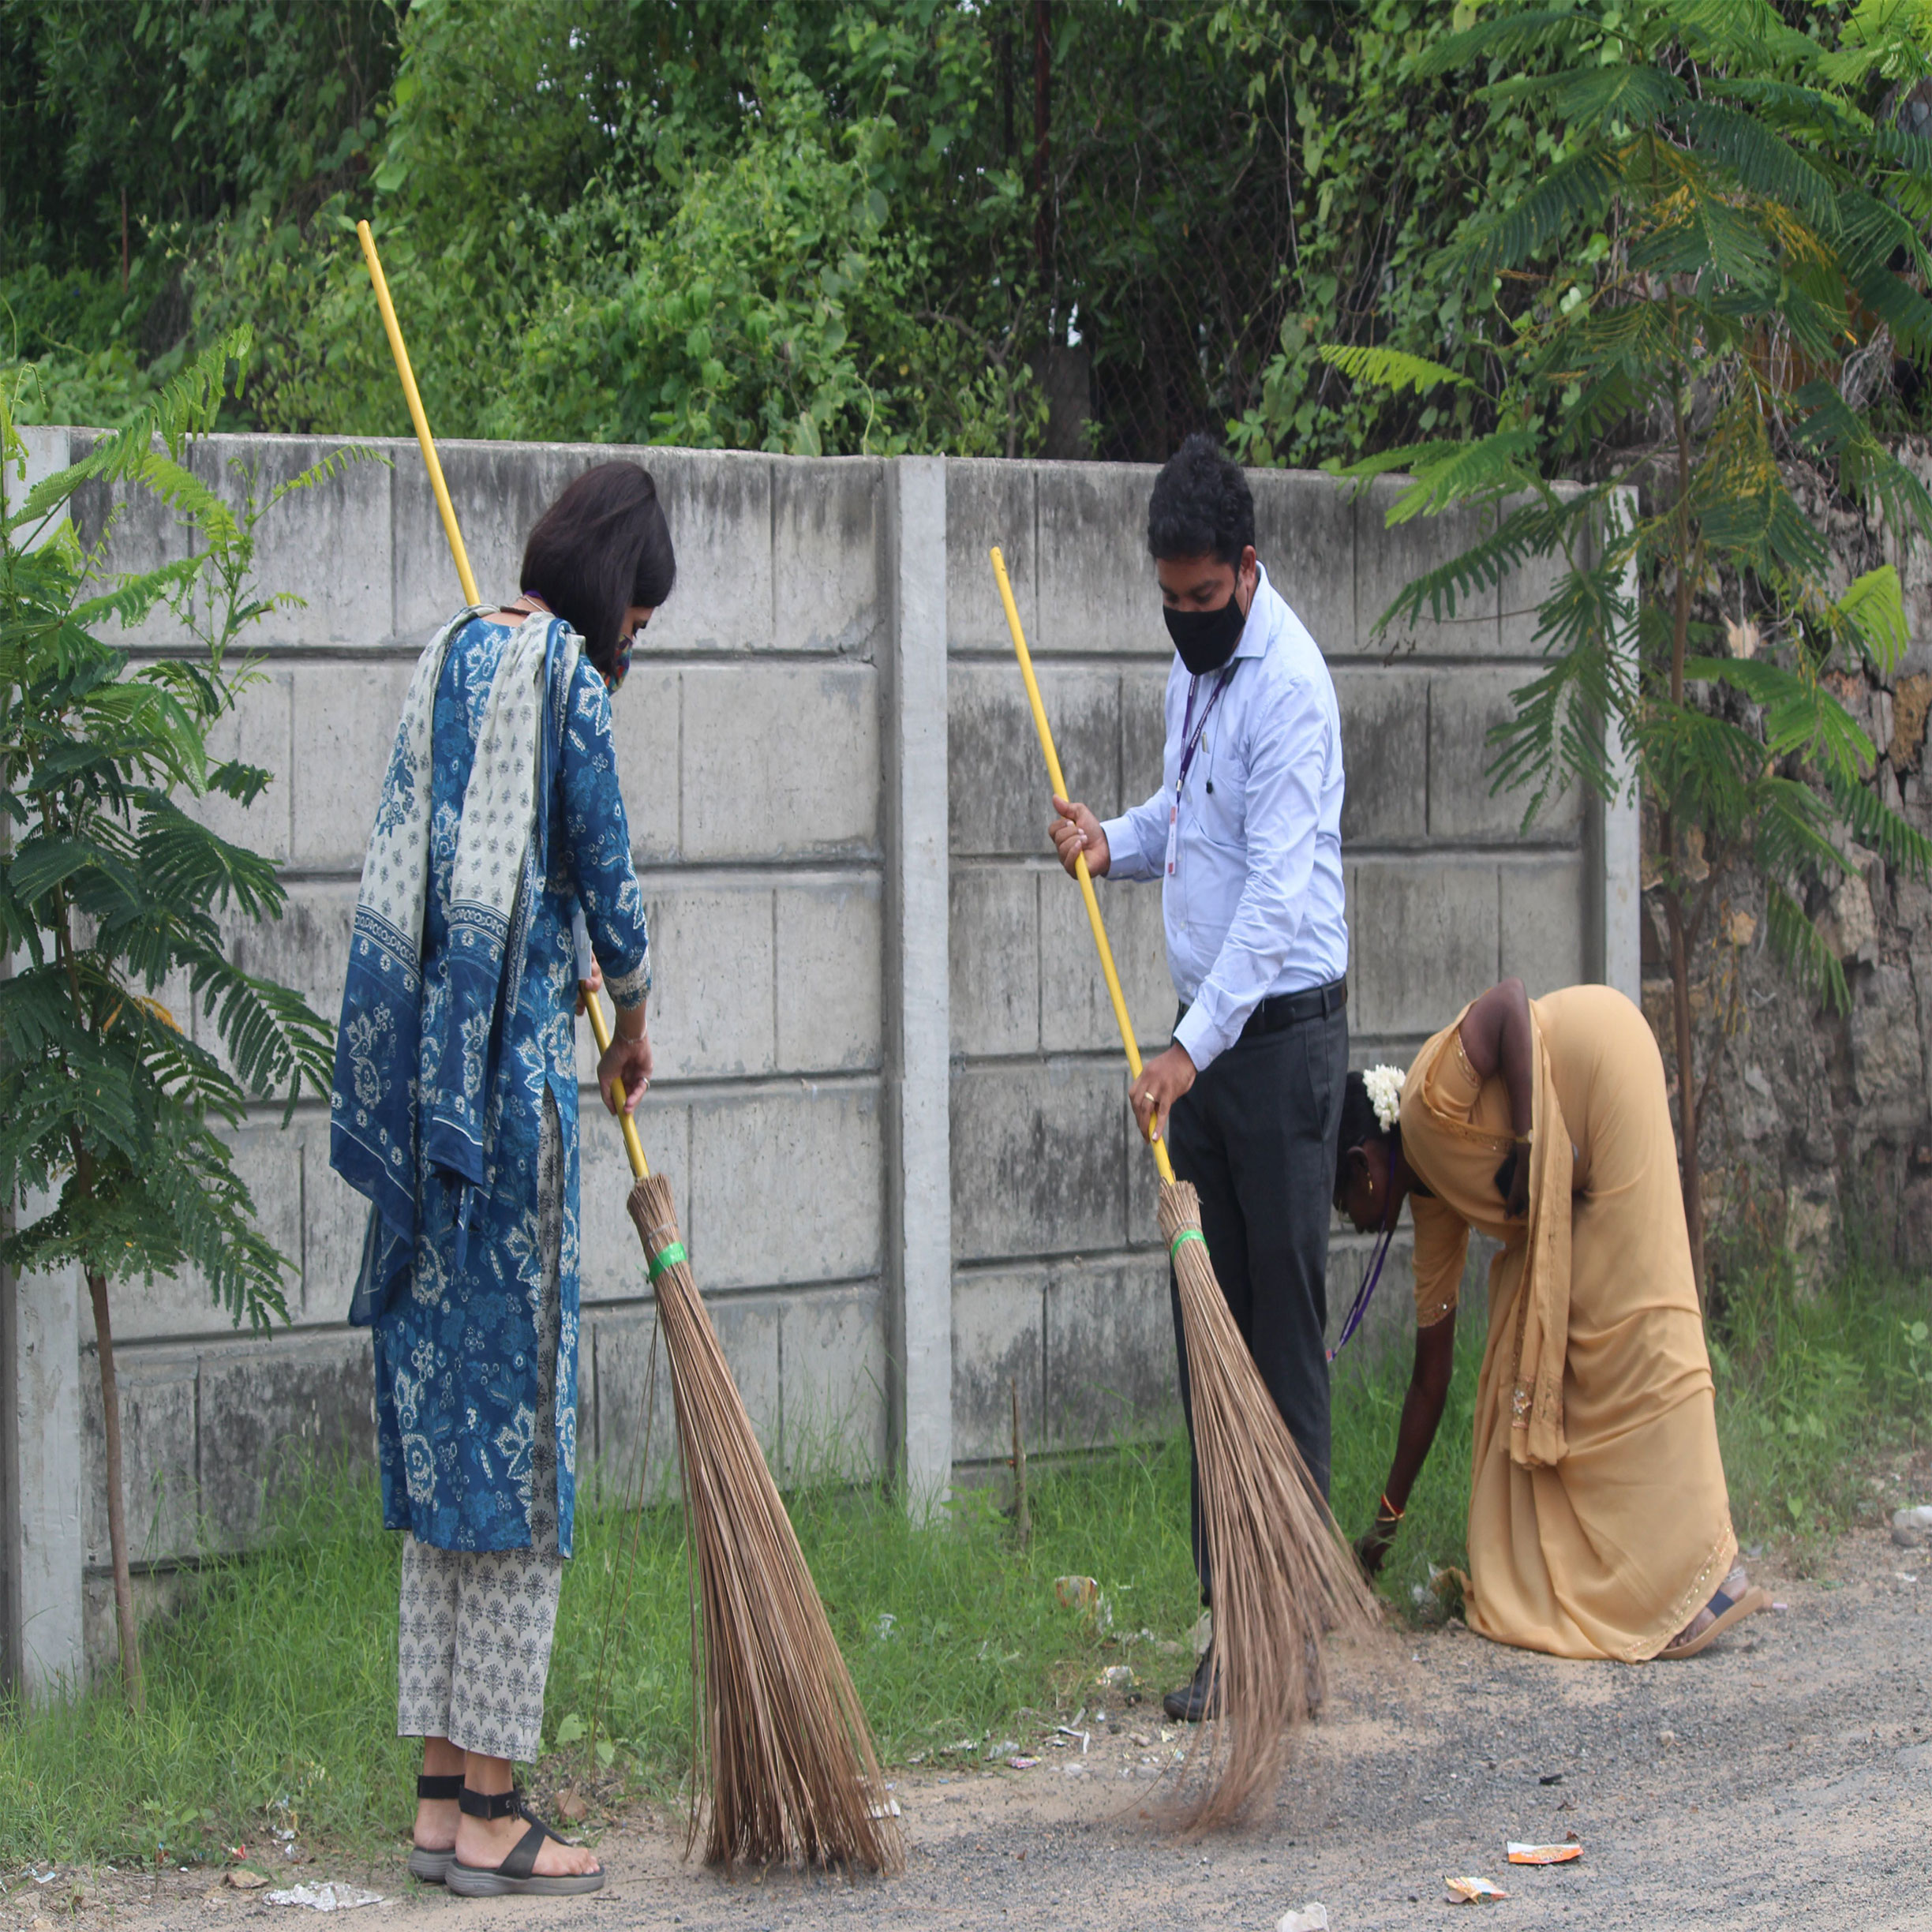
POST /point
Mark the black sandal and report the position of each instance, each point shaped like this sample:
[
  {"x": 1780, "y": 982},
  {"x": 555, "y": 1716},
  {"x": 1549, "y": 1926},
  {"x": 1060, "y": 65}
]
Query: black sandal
[
  {"x": 517, "y": 1874},
  {"x": 432, "y": 1867}
]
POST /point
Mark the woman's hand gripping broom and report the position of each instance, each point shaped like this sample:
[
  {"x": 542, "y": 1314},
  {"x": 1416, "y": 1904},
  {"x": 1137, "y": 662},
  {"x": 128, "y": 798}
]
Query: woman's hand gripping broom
[
  {"x": 1282, "y": 1570},
  {"x": 793, "y": 1773}
]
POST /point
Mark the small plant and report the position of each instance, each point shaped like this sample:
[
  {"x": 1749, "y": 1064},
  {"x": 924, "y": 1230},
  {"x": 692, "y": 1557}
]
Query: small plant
[{"x": 112, "y": 890}]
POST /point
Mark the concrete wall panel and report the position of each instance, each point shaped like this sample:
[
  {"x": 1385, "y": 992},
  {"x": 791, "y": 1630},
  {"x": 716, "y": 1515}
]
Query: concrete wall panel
[
  {"x": 1463, "y": 709},
  {"x": 1387, "y": 559},
  {"x": 994, "y": 932},
  {"x": 1304, "y": 535},
  {"x": 1001, "y": 799},
  {"x": 834, "y": 1384},
  {"x": 1385, "y": 748},
  {"x": 1036, "y": 1158},
  {"x": 1097, "y": 592},
  {"x": 828, "y": 950},
  {"x": 1425, "y": 941},
  {"x": 827, "y": 525},
  {"x": 987, "y": 504},
  {"x": 784, "y": 1187},
  {"x": 779, "y": 761},
  {"x": 997, "y": 1325},
  {"x": 823, "y": 719}
]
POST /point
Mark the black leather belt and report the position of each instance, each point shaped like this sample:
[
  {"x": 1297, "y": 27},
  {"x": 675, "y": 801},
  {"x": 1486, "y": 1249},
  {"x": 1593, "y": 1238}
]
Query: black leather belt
[{"x": 1286, "y": 1009}]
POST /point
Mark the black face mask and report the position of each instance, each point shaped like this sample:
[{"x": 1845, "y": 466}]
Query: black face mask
[{"x": 1206, "y": 639}]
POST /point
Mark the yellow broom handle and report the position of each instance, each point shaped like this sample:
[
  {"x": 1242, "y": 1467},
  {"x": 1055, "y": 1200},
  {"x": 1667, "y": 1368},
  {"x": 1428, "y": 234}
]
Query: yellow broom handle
[
  {"x": 600, "y": 1027},
  {"x": 416, "y": 414},
  {"x": 601, "y": 1032},
  {"x": 1079, "y": 859}
]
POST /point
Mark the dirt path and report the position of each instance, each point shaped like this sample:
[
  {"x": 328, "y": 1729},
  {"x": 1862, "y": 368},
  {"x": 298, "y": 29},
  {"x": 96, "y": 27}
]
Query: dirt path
[{"x": 1785, "y": 1778}]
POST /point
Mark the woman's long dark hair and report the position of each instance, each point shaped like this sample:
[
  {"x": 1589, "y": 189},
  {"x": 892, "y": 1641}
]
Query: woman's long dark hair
[{"x": 602, "y": 547}]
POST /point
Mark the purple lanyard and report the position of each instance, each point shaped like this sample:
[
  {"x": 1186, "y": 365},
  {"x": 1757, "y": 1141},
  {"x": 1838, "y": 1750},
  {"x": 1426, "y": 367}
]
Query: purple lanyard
[
  {"x": 1359, "y": 1307},
  {"x": 1189, "y": 745}
]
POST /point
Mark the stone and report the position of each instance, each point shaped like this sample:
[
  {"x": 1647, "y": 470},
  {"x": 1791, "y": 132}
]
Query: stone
[
  {"x": 1887, "y": 1058},
  {"x": 1911, "y": 700},
  {"x": 1811, "y": 1235},
  {"x": 1848, "y": 926}
]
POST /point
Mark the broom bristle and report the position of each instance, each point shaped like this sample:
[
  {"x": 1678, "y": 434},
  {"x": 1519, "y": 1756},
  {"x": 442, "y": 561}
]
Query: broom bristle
[
  {"x": 794, "y": 1776},
  {"x": 1280, "y": 1570}
]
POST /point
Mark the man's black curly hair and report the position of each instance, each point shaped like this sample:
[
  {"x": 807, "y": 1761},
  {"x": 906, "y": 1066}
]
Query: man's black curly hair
[{"x": 1201, "y": 505}]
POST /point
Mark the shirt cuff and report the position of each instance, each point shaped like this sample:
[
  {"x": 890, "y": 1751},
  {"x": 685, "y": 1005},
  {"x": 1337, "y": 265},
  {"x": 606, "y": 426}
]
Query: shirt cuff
[
  {"x": 1125, "y": 859},
  {"x": 1203, "y": 1040}
]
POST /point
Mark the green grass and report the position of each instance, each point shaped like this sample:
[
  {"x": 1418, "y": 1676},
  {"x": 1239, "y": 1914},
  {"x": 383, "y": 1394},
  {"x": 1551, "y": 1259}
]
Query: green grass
[{"x": 272, "y": 1688}]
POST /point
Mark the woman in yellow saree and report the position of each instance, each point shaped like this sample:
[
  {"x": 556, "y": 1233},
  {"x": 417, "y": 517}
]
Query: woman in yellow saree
[{"x": 1599, "y": 1525}]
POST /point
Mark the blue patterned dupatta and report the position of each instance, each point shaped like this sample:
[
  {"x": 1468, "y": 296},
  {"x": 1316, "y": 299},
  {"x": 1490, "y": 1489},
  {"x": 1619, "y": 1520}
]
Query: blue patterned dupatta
[{"x": 397, "y": 1094}]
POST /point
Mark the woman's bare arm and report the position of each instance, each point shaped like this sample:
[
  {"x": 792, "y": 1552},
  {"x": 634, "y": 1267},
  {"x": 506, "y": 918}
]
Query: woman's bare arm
[
  {"x": 1421, "y": 1416},
  {"x": 1496, "y": 1037}
]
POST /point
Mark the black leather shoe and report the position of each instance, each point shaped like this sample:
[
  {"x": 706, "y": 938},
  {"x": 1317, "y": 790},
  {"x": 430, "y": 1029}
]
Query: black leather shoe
[{"x": 1188, "y": 1704}]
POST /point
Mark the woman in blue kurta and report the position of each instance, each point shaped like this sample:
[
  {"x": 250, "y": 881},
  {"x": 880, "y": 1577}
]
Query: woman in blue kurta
[{"x": 500, "y": 863}]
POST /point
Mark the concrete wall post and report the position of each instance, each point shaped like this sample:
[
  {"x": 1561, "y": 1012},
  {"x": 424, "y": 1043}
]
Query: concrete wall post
[
  {"x": 1622, "y": 881},
  {"x": 45, "y": 1558},
  {"x": 919, "y": 1246}
]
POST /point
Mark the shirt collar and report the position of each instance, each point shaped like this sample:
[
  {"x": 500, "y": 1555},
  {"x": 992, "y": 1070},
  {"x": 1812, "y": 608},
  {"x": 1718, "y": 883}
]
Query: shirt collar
[{"x": 1258, "y": 632}]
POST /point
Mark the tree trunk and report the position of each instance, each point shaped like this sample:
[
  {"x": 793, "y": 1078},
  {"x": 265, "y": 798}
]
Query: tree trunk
[{"x": 117, "y": 1512}]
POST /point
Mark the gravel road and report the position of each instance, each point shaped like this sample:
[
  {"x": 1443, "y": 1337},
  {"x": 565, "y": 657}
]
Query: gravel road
[{"x": 1783, "y": 1778}]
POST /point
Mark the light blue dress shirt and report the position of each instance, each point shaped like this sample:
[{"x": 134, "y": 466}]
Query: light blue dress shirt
[{"x": 1253, "y": 905}]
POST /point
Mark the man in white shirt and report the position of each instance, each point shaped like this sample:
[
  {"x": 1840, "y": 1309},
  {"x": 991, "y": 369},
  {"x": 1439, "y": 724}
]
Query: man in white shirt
[{"x": 1245, "y": 836}]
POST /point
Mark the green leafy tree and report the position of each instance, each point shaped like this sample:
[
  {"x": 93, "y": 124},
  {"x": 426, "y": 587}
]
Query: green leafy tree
[
  {"x": 1754, "y": 214},
  {"x": 112, "y": 892}
]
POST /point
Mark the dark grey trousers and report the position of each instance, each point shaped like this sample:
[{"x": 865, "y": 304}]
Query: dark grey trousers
[{"x": 1256, "y": 1136}]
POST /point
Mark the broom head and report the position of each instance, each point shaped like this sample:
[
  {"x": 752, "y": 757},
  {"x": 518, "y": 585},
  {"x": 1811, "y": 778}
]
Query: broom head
[
  {"x": 1281, "y": 1572},
  {"x": 794, "y": 1777}
]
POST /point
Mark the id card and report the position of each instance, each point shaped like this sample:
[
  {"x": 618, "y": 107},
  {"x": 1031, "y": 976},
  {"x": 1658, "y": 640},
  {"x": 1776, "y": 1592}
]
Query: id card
[{"x": 1174, "y": 836}]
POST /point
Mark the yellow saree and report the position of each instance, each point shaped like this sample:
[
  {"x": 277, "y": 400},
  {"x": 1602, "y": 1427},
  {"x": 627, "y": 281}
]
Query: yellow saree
[{"x": 1599, "y": 1520}]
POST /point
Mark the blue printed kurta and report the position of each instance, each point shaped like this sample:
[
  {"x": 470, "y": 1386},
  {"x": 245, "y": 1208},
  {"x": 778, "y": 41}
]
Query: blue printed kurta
[{"x": 456, "y": 1342}]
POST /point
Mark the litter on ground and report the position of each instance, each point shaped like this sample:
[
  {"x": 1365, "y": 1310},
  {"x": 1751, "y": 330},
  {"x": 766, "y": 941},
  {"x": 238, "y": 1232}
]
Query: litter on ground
[
  {"x": 1468, "y": 1891},
  {"x": 328, "y": 1897},
  {"x": 1543, "y": 1854}
]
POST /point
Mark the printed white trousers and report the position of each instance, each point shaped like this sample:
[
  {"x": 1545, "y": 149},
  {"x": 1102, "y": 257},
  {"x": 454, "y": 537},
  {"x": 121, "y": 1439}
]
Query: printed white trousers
[{"x": 476, "y": 1625}]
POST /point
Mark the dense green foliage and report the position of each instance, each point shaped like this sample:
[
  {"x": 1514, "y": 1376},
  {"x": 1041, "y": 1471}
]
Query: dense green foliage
[
  {"x": 113, "y": 889},
  {"x": 272, "y": 1698},
  {"x": 1755, "y": 208},
  {"x": 799, "y": 225}
]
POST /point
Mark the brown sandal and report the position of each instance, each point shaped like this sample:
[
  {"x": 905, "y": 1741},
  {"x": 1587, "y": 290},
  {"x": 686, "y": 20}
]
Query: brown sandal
[{"x": 1725, "y": 1611}]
